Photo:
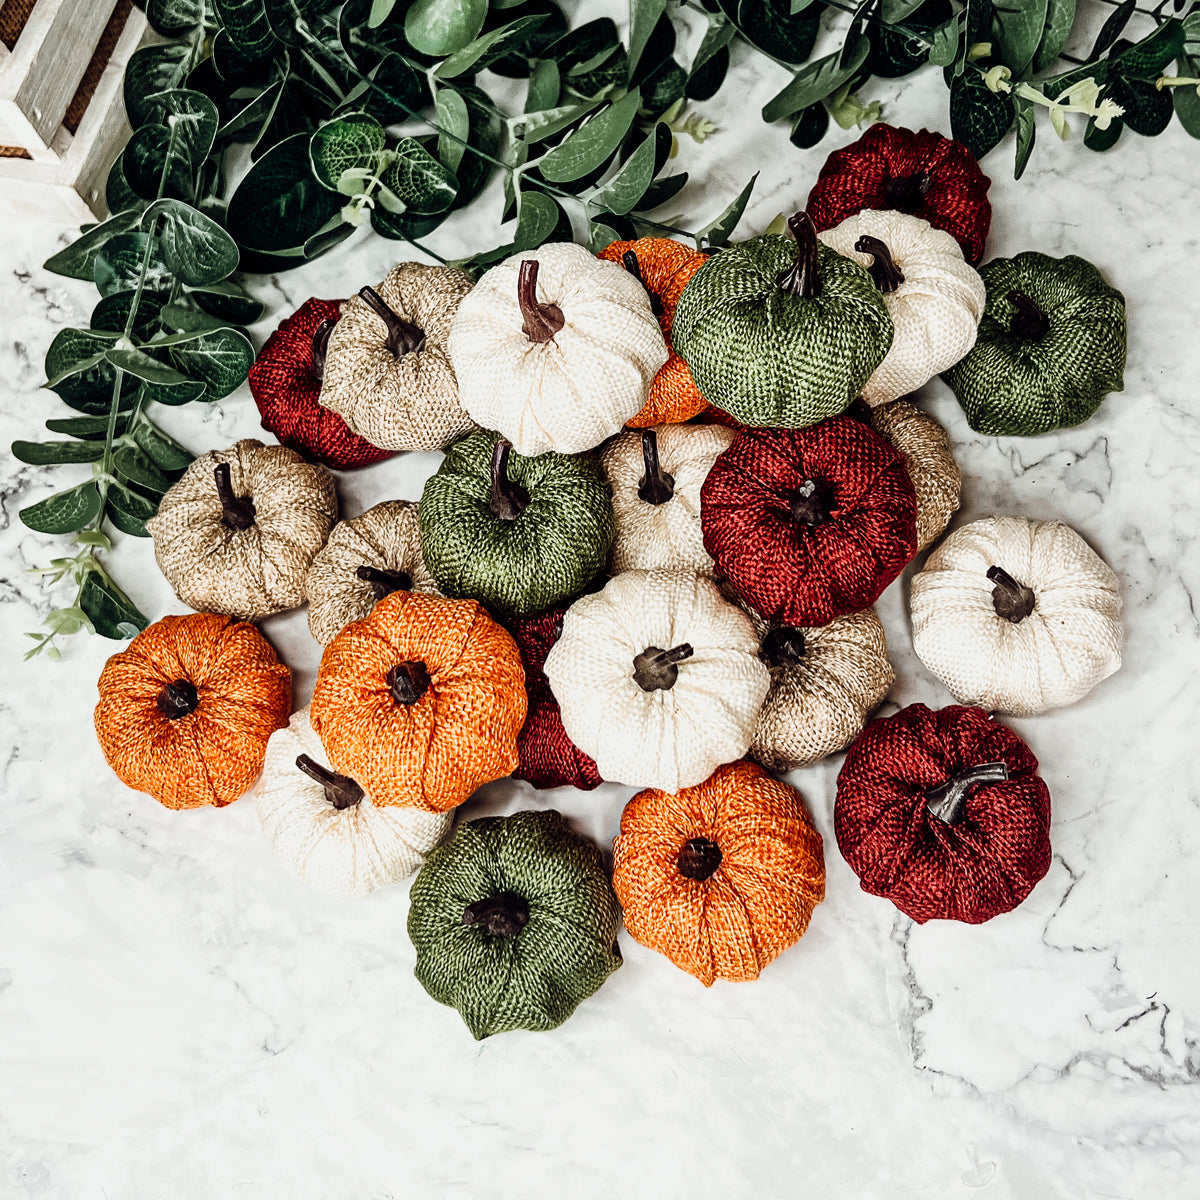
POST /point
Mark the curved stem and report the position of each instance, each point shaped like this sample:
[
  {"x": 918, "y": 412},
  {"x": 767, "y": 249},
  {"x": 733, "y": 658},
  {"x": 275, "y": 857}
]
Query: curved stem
[
  {"x": 508, "y": 499},
  {"x": 655, "y": 486},
  {"x": 783, "y": 646},
  {"x": 1029, "y": 321},
  {"x": 403, "y": 337},
  {"x": 503, "y": 915},
  {"x": 655, "y": 669},
  {"x": 945, "y": 802},
  {"x": 237, "y": 512},
  {"x": 888, "y": 277},
  {"x": 320, "y": 344},
  {"x": 340, "y": 790},
  {"x": 384, "y": 582},
  {"x": 812, "y": 502},
  {"x": 1012, "y": 600},
  {"x": 698, "y": 859},
  {"x": 630, "y": 261},
  {"x": 541, "y": 321},
  {"x": 408, "y": 682},
  {"x": 801, "y": 278},
  {"x": 177, "y": 699}
]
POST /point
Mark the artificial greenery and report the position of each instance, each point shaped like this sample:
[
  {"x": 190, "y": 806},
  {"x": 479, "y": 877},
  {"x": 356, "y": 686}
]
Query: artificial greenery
[{"x": 300, "y": 102}]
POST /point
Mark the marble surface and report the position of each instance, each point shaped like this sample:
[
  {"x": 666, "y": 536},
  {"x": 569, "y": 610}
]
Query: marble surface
[{"x": 179, "y": 1017}]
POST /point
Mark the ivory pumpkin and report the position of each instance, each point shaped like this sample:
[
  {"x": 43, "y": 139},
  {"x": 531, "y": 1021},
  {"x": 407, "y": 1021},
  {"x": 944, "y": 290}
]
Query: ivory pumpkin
[
  {"x": 323, "y": 827},
  {"x": 556, "y": 349},
  {"x": 1017, "y": 616}
]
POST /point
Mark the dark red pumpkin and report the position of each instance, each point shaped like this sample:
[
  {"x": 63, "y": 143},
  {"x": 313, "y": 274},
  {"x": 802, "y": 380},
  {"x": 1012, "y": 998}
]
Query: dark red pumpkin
[
  {"x": 809, "y": 524},
  {"x": 285, "y": 380},
  {"x": 944, "y": 814},
  {"x": 923, "y": 174}
]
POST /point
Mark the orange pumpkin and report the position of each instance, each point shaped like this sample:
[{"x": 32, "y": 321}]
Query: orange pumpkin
[
  {"x": 721, "y": 877},
  {"x": 663, "y": 267},
  {"x": 186, "y": 710},
  {"x": 421, "y": 701}
]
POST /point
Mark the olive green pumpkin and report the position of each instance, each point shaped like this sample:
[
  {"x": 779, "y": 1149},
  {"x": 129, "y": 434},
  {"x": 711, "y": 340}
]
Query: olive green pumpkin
[
  {"x": 781, "y": 332},
  {"x": 515, "y": 922},
  {"x": 518, "y": 534},
  {"x": 1051, "y": 346}
]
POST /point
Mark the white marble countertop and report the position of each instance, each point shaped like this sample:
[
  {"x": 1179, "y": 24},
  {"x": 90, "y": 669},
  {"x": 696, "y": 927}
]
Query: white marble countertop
[{"x": 180, "y": 1018}]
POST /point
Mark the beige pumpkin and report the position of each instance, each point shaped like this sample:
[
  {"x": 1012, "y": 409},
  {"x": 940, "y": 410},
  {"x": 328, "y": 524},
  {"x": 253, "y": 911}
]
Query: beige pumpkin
[
  {"x": 1017, "y": 616},
  {"x": 365, "y": 559},
  {"x": 555, "y": 349},
  {"x": 387, "y": 370},
  {"x": 236, "y": 534},
  {"x": 324, "y": 828},
  {"x": 935, "y": 299},
  {"x": 656, "y": 475}
]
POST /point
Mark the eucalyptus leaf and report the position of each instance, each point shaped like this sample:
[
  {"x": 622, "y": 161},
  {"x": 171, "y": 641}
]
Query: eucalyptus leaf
[
  {"x": 354, "y": 140},
  {"x": 186, "y": 319},
  {"x": 193, "y": 247},
  {"x": 77, "y": 260},
  {"x": 91, "y": 391},
  {"x": 190, "y": 116},
  {"x": 979, "y": 117},
  {"x": 662, "y": 190},
  {"x": 1060, "y": 17},
  {"x": 536, "y": 126},
  {"x": 1026, "y": 135},
  {"x": 111, "y": 314},
  {"x": 1095, "y": 138},
  {"x": 153, "y": 165},
  {"x": 245, "y": 23},
  {"x": 773, "y": 28},
  {"x": 1017, "y": 28},
  {"x": 134, "y": 466},
  {"x": 486, "y": 49},
  {"x": 944, "y": 49},
  {"x": 151, "y": 70},
  {"x": 129, "y": 511},
  {"x": 141, "y": 366},
  {"x": 537, "y": 220},
  {"x": 40, "y": 454},
  {"x": 164, "y": 451},
  {"x": 1148, "y": 58},
  {"x": 545, "y": 86},
  {"x": 1147, "y": 109},
  {"x": 227, "y": 300},
  {"x": 817, "y": 80},
  {"x": 176, "y": 394},
  {"x": 380, "y": 11},
  {"x": 65, "y": 512},
  {"x": 118, "y": 266},
  {"x": 396, "y": 90},
  {"x": 810, "y": 127},
  {"x": 621, "y": 193},
  {"x": 73, "y": 351},
  {"x": 418, "y": 179},
  {"x": 173, "y": 17},
  {"x": 88, "y": 428},
  {"x": 219, "y": 359},
  {"x": 592, "y": 144},
  {"x": 1185, "y": 99},
  {"x": 663, "y": 87},
  {"x": 718, "y": 232},
  {"x": 643, "y": 17},
  {"x": 454, "y": 124},
  {"x": 1113, "y": 27},
  {"x": 118, "y": 195},
  {"x": 112, "y": 613},
  {"x": 440, "y": 27},
  {"x": 705, "y": 81}
]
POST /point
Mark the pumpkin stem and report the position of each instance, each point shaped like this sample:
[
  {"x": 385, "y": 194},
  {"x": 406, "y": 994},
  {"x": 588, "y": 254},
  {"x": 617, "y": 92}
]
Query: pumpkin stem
[
  {"x": 630, "y": 260},
  {"x": 655, "y": 668},
  {"x": 888, "y": 277},
  {"x": 812, "y": 502},
  {"x": 1029, "y": 321},
  {"x": 320, "y": 345},
  {"x": 907, "y": 192},
  {"x": 508, "y": 499},
  {"x": 656, "y": 486},
  {"x": 542, "y": 321},
  {"x": 503, "y": 915},
  {"x": 408, "y": 682},
  {"x": 403, "y": 337},
  {"x": 384, "y": 583},
  {"x": 177, "y": 699},
  {"x": 237, "y": 512},
  {"x": 801, "y": 278},
  {"x": 947, "y": 799},
  {"x": 340, "y": 790},
  {"x": 1012, "y": 600},
  {"x": 698, "y": 859},
  {"x": 783, "y": 646}
]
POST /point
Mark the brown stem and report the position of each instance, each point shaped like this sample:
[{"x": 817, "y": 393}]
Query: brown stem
[
  {"x": 542, "y": 321},
  {"x": 177, "y": 699},
  {"x": 1029, "y": 321},
  {"x": 1012, "y": 600},
  {"x": 812, "y": 502},
  {"x": 403, "y": 337},
  {"x": 888, "y": 277},
  {"x": 907, "y": 192},
  {"x": 237, "y": 512},
  {"x": 384, "y": 583},
  {"x": 946, "y": 800},
  {"x": 320, "y": 345},
  {"x": 698, "y": 859},
  {"x": 340, "y": 790},
  {"x": 635, "y": 269},
  {"x": 802, "y": 278},
  {"x": 654, "y": 669},
  {"x": 503, "y": 915},
  {"x": 408, "y": 682},
  {"x": 508, "y": 500},
  {"x": 783, "y": 646},
  {"x": 656, "y": 486}
]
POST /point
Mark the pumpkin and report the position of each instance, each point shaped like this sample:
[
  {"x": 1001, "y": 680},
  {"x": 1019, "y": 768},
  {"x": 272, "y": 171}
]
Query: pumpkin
[
  {"x": 923, "y": 174},
  {"x": 186, "y": 709},
  {"x": 655, "y": 475},
  {"x": 943, "y": 813},
  {"x": 781, "y": 332},
  {"x": 323, "y": 827},
  {"x": 663, "y": 267},
  {"x": 934, "y": 298},
  {"x": 285, "y": 381},
  {"x": 365, "y": 559},
  {"x": 236, "y": 534},
  {"x": 1017, "y": 616},
  {"x": 809, "y": 524},
  {"x": 1051, "y": 346},
  {"x": 556, "y": 349},
  {"x": 721, "y": 878},
  {"x": 387, "y": 369},
  {"x": 520, "y": 534},
  {"x": 514, "y": 922},
  {"x": 421, "y": 701},
  {"x": 658, "y": 679}
]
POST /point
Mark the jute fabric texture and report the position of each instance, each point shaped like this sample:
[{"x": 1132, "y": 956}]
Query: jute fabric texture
[
  {"x": 1017, "y": 382},
  {"x": 581, "y": 385},
  {"x": 244, "y": 572},
  {"x": 1068, "y": 643},
  {"x": 985, "y": 861},
  {"x": 386, "y": 538},
  {"x": 566, "y": 948},
  {"x": 458, "y": 734},
  {"x": 672, "y": 736},
  {"x": 406, "y": 401},
  {"x": 758, "y": 901},
  {"x": 211, "y": 752},
  {"x": 348, "y": 851}
]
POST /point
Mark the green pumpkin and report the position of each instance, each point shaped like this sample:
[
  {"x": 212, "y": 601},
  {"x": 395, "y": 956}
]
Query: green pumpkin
[
  {"x": 519, "y": 534},
  {"x": 515, "y": 922},
  {"x": 1051, "y": 346},
  {"x": 781, "y": 332}
]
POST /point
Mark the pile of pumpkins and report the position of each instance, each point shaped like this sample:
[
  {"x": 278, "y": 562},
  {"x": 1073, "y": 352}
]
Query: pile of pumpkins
[{"x": 674, "y": 484}]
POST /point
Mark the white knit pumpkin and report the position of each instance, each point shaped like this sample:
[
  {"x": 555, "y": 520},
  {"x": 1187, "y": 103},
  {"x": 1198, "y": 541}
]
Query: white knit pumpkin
[
  {"x": 935, "y": 310},
  {"x": 658, "y": 511},
  {"x": 658, "y": 679},
  {"x": 348, "y": 851},
  {"x": 601, "y": 348},
  {"x": 1020, "y": 664}
]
